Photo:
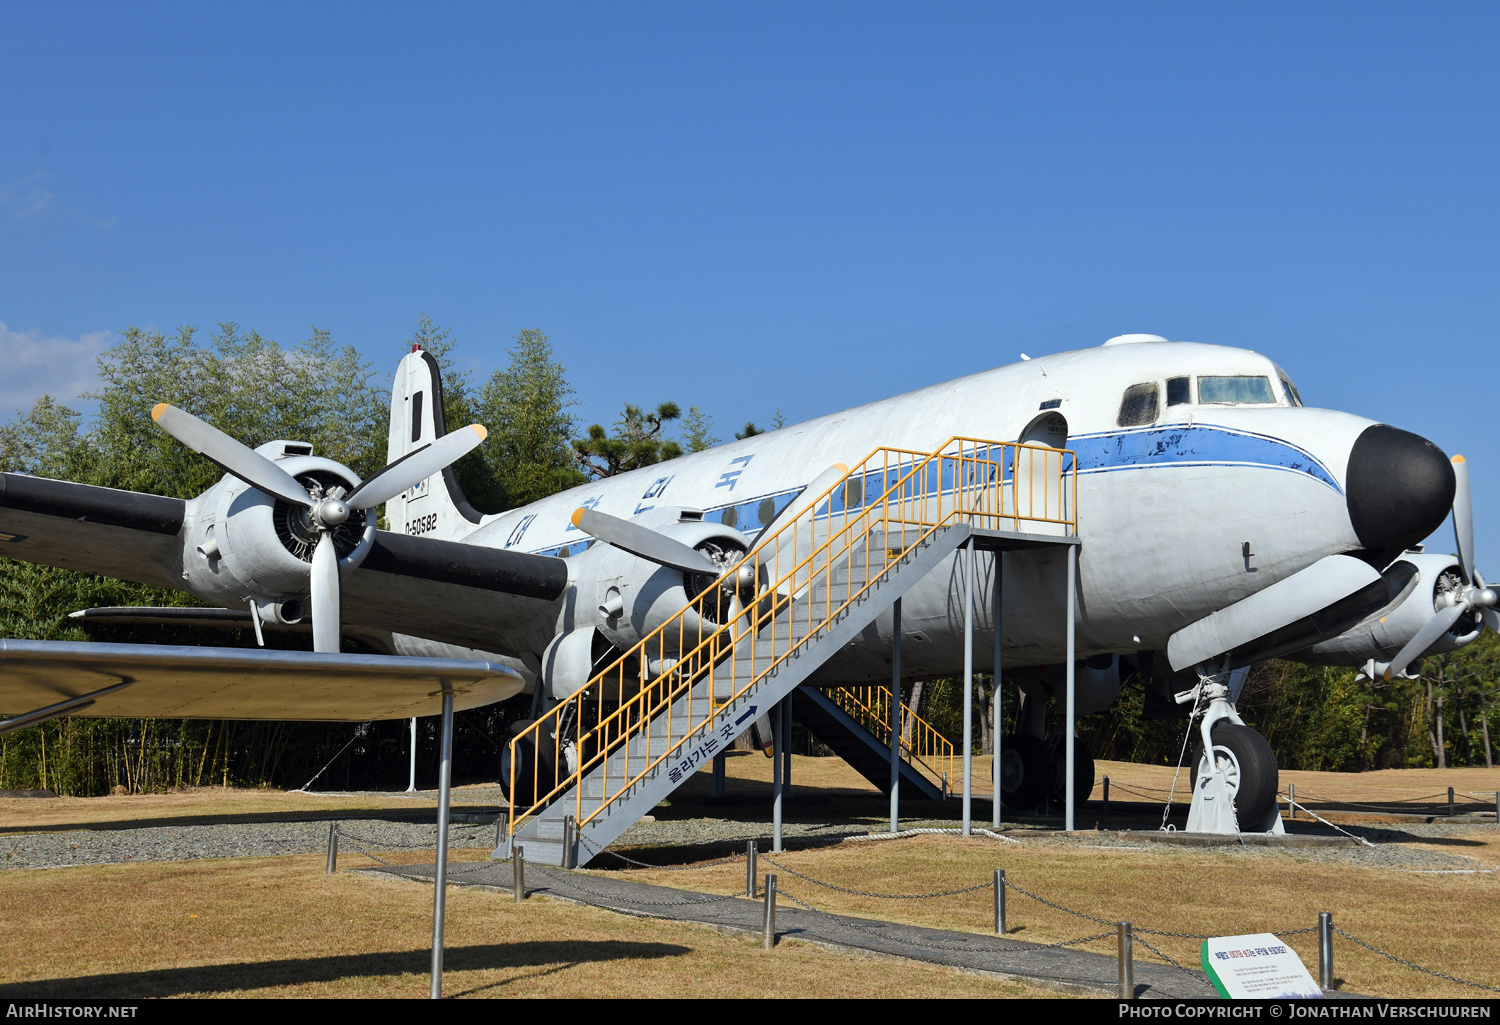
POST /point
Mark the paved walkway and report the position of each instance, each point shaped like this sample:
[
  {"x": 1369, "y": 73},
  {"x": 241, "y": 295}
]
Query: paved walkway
[{"x": 1052, "y": 967}]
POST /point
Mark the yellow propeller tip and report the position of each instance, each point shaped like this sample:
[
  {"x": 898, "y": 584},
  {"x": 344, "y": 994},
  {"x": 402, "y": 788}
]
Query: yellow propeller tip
[
  {"x": 158, "y": 409},
  {"x": 577, "y": 515},
  {"x": 480, "y": 430},
  {"x": 1458, "y": 459},
  {"x": 841, "y": 468}
]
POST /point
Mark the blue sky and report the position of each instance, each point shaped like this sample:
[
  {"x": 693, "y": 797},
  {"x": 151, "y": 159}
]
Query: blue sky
[{"x": 754, "y": 207}]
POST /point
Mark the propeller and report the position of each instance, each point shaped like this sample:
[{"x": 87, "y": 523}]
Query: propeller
[
  {"x": 325, "y": 512},
  {"x": 643, "y": 542},
  {"x": 1474, "y": 595}
]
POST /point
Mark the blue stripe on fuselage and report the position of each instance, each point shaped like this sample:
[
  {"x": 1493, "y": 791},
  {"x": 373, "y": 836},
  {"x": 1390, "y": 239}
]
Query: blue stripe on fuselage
[{"x": 1194, "y": 445}]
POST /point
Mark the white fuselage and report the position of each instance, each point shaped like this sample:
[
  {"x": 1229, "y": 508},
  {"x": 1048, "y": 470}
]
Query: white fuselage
[{"x": 1165, "y": 509}]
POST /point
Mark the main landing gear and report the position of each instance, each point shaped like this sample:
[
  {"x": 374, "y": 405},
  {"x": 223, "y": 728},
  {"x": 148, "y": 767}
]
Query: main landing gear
[{"x": 1032, "y": 769}]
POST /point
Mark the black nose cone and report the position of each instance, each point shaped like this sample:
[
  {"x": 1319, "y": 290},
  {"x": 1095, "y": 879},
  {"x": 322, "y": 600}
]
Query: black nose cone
[{"x": 1399, "y": 487}]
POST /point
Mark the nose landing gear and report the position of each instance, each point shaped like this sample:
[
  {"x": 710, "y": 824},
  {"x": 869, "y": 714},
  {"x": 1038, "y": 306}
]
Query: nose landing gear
[{"x": 1234, "y": 789}]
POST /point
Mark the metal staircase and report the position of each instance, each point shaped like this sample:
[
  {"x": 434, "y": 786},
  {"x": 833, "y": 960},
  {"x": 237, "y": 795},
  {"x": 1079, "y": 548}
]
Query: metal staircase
[
  {"x": 665, "y": 708},
  {"x": 855, "y": 723}
]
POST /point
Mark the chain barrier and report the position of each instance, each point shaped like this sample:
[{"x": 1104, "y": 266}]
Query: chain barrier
[
  {"x": 1169, "y": 960},
  {"x": 991, "y": 946},
  {"x": 927, "y": 831},
  {"x": 1439, "y": 799},
  {"x": 865, "y": 893},
  {"x": 665, "y": 868},
  {"x": 1401, "y": 960}
]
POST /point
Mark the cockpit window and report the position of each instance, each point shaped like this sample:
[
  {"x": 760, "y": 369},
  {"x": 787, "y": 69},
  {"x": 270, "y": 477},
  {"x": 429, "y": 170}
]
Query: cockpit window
[
  {"x": 1291, "y": 391},
  {"x": 1139, "y": 406},
  {"x": 1237, "y": 390},
  {"x": 1178, "y": 391}
]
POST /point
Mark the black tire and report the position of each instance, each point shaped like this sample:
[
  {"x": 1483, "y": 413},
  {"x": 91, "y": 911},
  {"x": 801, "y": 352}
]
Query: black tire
[
  {"x": 531, "y": 778},
  {"x": 1083, "y": 770},
  {"x": 1254, "y": 776},
  {"x": 1025, "y": 772}
]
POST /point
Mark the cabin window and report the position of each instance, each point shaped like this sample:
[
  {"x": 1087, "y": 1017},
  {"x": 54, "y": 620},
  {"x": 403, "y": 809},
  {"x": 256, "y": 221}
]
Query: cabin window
[
  {"x": 1139, "y": 406},
  {"x": 1236, "y": 390},
  {"x": 1179, "y": 391}
]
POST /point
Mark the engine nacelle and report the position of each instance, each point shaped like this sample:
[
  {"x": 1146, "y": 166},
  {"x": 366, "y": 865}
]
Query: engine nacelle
[
  {"x": 624, "y": 597},
  {"x": 244, "y": 544},
  {"x": 1434, "y": 581}
]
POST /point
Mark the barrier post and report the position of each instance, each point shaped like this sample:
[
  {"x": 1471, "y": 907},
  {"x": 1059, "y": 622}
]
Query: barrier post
[
  {"x": 518, "y": 873},
  {"x": 750, "y": 857},
  {"x": 768, "y": 925},
  {"x": 570, "y": 842},
  {"x": 1325, "y": 949},
  {"x": 1450, "y": 802},
  {"x": 333, "y": 847},
  {"x": 999, "y": 902},
  {"x": 1127, "y": 961},
  {"x": 1291, "y": 800},
  {"x": 1106, "y": 793}
]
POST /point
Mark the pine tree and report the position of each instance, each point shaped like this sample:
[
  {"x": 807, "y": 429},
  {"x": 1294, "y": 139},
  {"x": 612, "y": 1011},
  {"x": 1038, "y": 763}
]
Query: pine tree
[{"x": 525, "y": 406}]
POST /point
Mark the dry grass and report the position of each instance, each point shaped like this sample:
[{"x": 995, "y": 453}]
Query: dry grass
[
  {"x": 1441, "y": 921},
  {"x": 205, "y": 804},
  {"x": 280, "y": 927}
]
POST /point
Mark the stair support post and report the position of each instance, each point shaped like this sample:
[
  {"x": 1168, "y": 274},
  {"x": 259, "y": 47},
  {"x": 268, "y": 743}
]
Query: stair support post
[
  {"x": 995, "y": 697},
  {"x": 445, "y": 794},
  {"x": 895, "y": 715},
  {"x": 1071, "y": 722},
  {"x": 778, "y": 740},
  {"x": 968, "y": 571}
]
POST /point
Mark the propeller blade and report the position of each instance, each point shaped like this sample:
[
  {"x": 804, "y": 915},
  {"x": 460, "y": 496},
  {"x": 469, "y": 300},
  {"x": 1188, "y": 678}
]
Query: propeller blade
[
  {"x": 1491, "y": 619},
  {"x": 1425, "y": 638},
  {"x": 242, "y": 461},
  {"x": 799, "y": 505},
  {"x": 644, "y": 542},
  {"x": 415, "y": 467},
  {"x": 325, "y": 595},
  {"x": 1463, "y": 517},
  {"x": 1302, "y": 594}
]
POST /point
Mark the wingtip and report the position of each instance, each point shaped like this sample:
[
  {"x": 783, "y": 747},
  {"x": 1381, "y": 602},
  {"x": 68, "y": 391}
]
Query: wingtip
[{"x": 158, "y": 409}]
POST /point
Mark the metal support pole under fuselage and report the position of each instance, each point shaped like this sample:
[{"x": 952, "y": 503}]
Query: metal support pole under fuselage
[
  {"x": 777, "y": 741},
  {"x": 445, "y": 780},
  {"x": 717, "y": 789},
  {"x": 786, "y": 745},
  {"x": 411, "y": 786},
  {"x": 968, "y": 688},
  {"x": 995, "y": 697},
  {"x": 895, "y": 715},
  {"x": 1070, "y": 722}
]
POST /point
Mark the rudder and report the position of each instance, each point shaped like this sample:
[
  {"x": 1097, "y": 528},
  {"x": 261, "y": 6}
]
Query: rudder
[{"x": 437, "y": 506}]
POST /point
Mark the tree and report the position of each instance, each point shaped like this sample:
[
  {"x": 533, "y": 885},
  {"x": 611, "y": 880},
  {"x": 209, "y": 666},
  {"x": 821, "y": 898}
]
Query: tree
[
  {"x": 638, "y": 442},
  {"x": 750, "y": 431},
  {"x": 698, "y": 428},
  {"x": 525, "y": 406},
  {"x": 45, "y": 442}
]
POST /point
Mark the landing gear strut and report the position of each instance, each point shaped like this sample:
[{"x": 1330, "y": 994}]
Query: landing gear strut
[{"x": 1234, "y": 790}]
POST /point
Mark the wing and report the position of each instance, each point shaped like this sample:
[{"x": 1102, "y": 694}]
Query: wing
[
  {"x": 485, "y": 598},
  {"x": 159, "y": 680}
]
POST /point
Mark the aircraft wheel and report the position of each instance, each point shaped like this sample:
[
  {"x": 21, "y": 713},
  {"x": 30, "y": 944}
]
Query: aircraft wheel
[
  {"x": 1083, "y": 770},
  {"x": 533, "y": 775},
  {"x": 1250, "y": 770},
  {"x": 1025, "y": 771}
]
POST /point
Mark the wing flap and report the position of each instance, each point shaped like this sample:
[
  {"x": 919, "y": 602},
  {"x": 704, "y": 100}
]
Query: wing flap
[{"x": 169, "y": 681}]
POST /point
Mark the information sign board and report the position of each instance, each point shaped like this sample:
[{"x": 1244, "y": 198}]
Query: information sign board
[{"x": 1256, "y": 967}]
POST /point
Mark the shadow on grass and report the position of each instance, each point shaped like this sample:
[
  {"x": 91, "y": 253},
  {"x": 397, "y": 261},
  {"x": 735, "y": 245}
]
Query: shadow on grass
[
  {"x": 421, "y": 816},
  {"x": 550, "y": 956}
]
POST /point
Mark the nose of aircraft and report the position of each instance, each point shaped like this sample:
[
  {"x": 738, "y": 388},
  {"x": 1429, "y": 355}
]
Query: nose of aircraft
[{"x": 1399, "y": 487}]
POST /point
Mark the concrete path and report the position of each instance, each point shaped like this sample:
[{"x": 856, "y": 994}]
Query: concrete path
[{"x": 1056, "y": 968}]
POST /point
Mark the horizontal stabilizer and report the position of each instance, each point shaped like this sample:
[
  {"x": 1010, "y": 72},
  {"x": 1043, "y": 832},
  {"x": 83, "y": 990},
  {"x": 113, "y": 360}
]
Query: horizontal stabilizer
[{"x": 168, "y": 681}]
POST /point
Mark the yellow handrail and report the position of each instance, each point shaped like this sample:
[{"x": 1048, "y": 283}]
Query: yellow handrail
[
  {"x": 987, "y": 484},
  {"x": 870, "y": 706}
]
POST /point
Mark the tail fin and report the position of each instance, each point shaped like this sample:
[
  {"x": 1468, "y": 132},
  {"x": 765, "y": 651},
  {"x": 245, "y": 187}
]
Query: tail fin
[{"x": 437, "y": 506}]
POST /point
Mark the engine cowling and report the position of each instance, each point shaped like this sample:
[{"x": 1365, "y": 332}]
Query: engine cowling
[
  {"x": 244, "y": 544},
  {"x": 1433, "y": 578},
  {"x": 622, "y": 598}
]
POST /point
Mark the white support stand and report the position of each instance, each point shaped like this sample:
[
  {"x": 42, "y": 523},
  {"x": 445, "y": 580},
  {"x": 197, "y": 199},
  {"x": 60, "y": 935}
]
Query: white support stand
[
  {"x": 1212, "y": 810},
  {"x": 411, "y": 786}
]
